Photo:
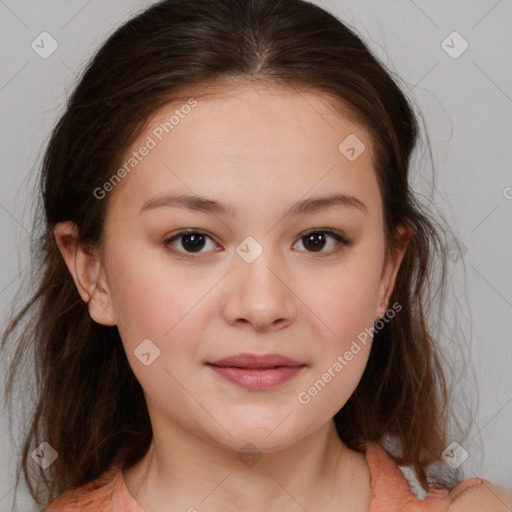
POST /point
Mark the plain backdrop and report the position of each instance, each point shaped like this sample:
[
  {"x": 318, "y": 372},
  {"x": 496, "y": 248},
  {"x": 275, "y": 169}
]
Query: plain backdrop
[{"x": 465, "y": 98}]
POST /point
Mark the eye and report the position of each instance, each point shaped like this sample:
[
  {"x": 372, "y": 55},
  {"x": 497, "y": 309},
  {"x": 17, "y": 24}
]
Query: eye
[
  {"x": 317, "y": 240},
  {"x": 192, "y": 240}
]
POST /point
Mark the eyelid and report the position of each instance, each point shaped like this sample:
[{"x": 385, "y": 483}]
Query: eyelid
[{"x": 343, "y": 237}]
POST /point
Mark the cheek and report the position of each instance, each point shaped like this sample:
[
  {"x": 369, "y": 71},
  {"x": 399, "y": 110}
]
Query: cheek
[
  {"x": 341, "y": 350},
  {"x": 158, "y": 313},
  {"x": 149, "y": 296},
  {"x": 166, "y": 304},
  {"x": 333, "y": 379},
  {"x": 348, "y": 309},
  {"x": 342, "y": 301}
]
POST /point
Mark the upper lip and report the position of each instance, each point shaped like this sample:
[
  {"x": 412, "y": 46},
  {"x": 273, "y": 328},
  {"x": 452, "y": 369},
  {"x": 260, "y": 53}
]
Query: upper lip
[{"x": 256, "y": 361}]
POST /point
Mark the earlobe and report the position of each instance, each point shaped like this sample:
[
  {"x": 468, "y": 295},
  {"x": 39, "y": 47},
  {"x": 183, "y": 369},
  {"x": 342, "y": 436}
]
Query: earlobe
[
  {"x": 85, "y": 267},
  {"x": 99, "y": 303}
]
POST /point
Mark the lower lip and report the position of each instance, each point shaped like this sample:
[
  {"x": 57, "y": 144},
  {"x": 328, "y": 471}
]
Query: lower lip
[{"x": 257, "y": 378}]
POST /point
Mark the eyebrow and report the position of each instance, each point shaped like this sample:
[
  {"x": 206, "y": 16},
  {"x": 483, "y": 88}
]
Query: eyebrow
[{"x": 207, "y": 205}]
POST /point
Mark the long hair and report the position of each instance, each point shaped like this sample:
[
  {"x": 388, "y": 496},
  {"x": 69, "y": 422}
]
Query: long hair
[{"x": 89, "y": 406}]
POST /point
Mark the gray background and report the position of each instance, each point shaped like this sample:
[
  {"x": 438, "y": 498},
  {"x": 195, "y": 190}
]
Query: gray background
[{"x": 466, "y": 105}]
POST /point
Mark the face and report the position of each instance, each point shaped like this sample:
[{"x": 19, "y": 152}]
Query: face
[{"x": 262, "y": 269}]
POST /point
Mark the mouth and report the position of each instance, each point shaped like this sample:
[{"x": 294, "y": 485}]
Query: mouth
[{"x": 255, "y": 372}]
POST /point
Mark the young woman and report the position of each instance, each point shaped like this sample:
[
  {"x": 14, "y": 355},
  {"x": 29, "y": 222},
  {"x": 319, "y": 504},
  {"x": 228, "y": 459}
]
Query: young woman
[{"x": 231, "y": 311}]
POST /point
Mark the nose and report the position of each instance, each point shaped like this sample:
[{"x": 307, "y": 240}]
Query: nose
[{"x": 259, "y": 295}]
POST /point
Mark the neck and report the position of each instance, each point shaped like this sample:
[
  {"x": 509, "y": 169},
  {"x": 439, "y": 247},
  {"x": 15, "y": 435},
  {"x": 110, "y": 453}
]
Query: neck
[{"x": 183, "y": 472}]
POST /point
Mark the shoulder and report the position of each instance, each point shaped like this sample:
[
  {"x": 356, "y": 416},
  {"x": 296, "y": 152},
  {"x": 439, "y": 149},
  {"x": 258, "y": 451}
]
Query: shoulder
[
  {"x": 93, "y": 496},
  {"x": 66, "y": 501},
  {"x": 479, "y": 495}
]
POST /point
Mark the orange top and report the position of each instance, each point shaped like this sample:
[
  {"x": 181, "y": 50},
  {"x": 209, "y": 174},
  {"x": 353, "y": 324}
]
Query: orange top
[{"x": 390, "y": 489}]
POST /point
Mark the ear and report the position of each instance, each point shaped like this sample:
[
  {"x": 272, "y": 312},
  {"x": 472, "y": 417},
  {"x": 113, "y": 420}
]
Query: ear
[
  {"x": 390, "y": 269},
  {"x": 87, "y": 271}
]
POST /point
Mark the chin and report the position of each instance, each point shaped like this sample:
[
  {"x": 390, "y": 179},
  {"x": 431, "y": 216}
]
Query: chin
[{"x": 264, "y": 438}]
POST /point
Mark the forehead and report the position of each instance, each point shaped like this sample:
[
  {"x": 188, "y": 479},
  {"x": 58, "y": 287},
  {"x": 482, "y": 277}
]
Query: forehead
[{"x": 252, "y": 138}]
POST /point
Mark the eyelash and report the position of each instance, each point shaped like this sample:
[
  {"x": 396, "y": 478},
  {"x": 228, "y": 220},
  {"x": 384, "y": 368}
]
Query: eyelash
[{"x": 339, "y": 238}]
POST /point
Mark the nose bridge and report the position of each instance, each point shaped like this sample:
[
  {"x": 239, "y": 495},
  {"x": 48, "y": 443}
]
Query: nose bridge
[
  {"x": 260, "y": 268},
  {"x": 259, "y": 293}
]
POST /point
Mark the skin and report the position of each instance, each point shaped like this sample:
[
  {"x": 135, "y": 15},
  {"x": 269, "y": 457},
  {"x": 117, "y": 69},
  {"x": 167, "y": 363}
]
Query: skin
[
  {"x": 261, "y": 149},
  {"x": 482, "y": 498}
]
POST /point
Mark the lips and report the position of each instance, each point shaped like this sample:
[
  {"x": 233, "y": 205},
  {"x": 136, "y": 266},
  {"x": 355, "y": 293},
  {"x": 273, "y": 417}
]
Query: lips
[
  {"x": 256, "y": 361},
  {"x": 254, "y": 372}
]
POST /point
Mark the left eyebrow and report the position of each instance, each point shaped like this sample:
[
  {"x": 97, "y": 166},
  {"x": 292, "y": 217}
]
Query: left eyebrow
[{"x": 208, "y": 205}]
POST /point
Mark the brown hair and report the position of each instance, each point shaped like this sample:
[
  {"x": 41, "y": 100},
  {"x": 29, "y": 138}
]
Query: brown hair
[{"x": 89, "y": 405}]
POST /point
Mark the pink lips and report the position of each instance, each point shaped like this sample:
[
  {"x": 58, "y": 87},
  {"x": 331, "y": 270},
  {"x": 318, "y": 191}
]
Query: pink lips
[{"x": 251, "y": 371}]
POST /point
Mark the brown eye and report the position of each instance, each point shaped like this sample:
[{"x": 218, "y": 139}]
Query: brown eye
[
  {"x": 188, "y": 242},
  {"x": 315, "y": 241},
  {"x": 193, "y": 241}
]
